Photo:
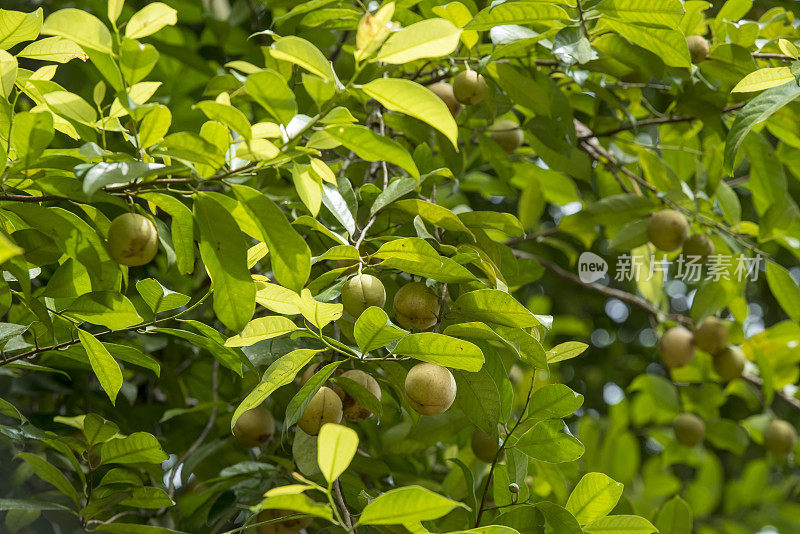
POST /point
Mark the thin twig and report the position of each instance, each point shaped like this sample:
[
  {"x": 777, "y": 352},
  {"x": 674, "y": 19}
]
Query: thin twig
[
  {"x": 348, "y": 521},
  {"x": 653, "y": 121}
]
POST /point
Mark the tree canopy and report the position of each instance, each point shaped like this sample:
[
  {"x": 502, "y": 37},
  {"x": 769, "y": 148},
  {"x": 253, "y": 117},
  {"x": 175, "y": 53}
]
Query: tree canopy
[{"x": 404, "y": 266}]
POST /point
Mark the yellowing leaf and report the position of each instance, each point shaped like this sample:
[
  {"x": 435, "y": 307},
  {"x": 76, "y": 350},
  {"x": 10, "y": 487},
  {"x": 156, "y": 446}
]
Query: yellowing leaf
[
  {"x": 424, "y": 39},
  {"x": 261, "y": 329},
  {"x": 150, "y": 19},
  {"x": 337, "y": 445},
  {"x": 318, "y": 313},
  {"x": 80, "y": 26},
  {"x": 763, "y": 79},
  {"x": 413, "y": 99}
]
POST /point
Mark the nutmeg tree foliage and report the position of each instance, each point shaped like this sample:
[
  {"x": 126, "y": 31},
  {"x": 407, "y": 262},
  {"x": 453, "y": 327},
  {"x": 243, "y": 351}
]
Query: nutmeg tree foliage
[{"x": 286, "y": 265}]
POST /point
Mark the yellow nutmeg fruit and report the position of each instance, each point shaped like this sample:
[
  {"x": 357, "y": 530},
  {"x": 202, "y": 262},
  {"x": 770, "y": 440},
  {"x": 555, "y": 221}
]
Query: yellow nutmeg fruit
[
  {"x": 445, "y": 91},
  {"x": 780, "y": 437},
  {"x": 325, "y": 407},
  {"x": 729, "y": 364},
  {"x": 712, "y": 335},
  {"x": 484, "y": 445},
  {"x": 351, "y": 409},
  {"x": 469, "y": 87},
  {"x": 416, "y": 306},
  {"x": 667, "y": 229},
  {"x": 430, "y": 388},
  {"x": 132, "y": 239},
  {"x": 689, "y": 429},
  {"x": 362, "y": 291},
  {"x": 676, "y": 347},
  {"x": 507, "y": 134},
  {"x": 254, "y": 427},
  {"x": 698, "y": 247},
  {"x": 698, "y": 48}
]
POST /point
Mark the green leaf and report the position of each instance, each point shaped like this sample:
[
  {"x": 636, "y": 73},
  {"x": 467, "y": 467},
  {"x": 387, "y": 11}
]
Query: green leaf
[
  {"x": 756, "y": 111},
  {"x": 30, "y": 135},
  {"x": 158, "y": 297},
  {"x": 26, "y": 504},
  {"x": 81, "y": 27},
  {"x": 50, "y": 474},
  {"x": 425, "y": 39},
  {"x": 17, "y": 27},
  {"x": 154, "y": 126},
  {"x": 224, "y": 253},
  {"x": 395, "y": 190},
  {"x": 675, "y": 517},
  {"x": 594, "y": 497},
  {"x": 516, "y": 13},
  {"x": 371, "y": 146},
  {"x": 308, "y": 186},
  {"x": 150, "y": 19},
  {"x": 495, "y": 306},
  {"x": 227, "y": 115},
  {"x": 479, "y": 399},
  {"x": 261, "y": 329},
  {"x": 528, "y": 347},
  {"x": 549, "y": 441},
  {"x": 279, "y": 373},
  {"x": 103, "y": 364},
  {"x": 298, "y": 404},
  {"x": 404, "y": 505},
  {"x": 413, "y": 99},
  {"x": 320, "y": 314},
  {"x": 136, "y": 60},
  {"x": 566, "y": 351},
  {"x": 493, "y": 220},
  {"x": 289, "y": 253},
  {"x": 667, "y": 43},
  {"x": 148, "y": 497},
  {"x": 553, "y": 401},
  {"x": 98, "y": 430},
  {"x": 415, "y": 256},
  {"x": 438, "y": 216},
  {"x": 99, "y": 175},
  {"x": 270, "y": 90},
  {"x": 301, "y": 52},
  {"x": 337, "y": 445},
  {"x": 58, "y": 49},
  {"x": 620, "y": 524},
  {"x": 784, "y": 289},
  {"x": 665, "y": 13},
  {"x": 442, "y": 350},
  {"x": 558, "y": 518},
  {"x": 139, "y": 447},
  {"x": 277, "y": 298},
  {"x": 295, "y": 502},
  {"x": 764, "y": 79},
  {"x": 8, "y": 249},
  {"x": 373, "y": 330},
  {"x": 8, "y": 73},
  {"x": 107, "y": 308},
  {"x": 182, "y": 227}
]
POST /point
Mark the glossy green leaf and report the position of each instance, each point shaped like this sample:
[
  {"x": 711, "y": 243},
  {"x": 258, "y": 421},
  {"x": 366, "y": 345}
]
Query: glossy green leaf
[
  {"x": 227, "y": 115},
  {"x": 107, "y": 308},
  {"x": 424, "y": 39},
  {"x": 289, "y": 253},
  {"x": 413, "y": 99},
  {"x": 553, "y": 401},
  {"x": 139, "y": 447},
  {"x": 50, "y": 474},
  {"x": 549, "y": 441},
  {"x": 371, "y": 146},
  {"x": 261, "y": 329},
  {"x": 159, "y": 298},
  {"x": 442, "y": 350},
  {"x": 224, "y": 254},
  {"x": 479, "y": 399},
  {"x": 405, "y": 505},
  {"x": 103, "y": 364},
  {"x": 594, "y": 497},
  {"x": 57, "y": 49},
  {"x": 516, "y": 13},
  {"x": 495, "y": 306},
  {"x": 416, "y": 256},
  {"x": 150, "y": 19},
  {"x": 761, "y": 79},
  {"x": 675, "y": 517},
  {"x": 620, "y": 524},
  {"x": 281, "y": 372},
  {"x": 269, "y": 89},
  {"x": 374, "y": 330},
  {"x": 17, "y": 27},
  {"x": 785, "y": 290},
  {"x": 301, "y": 52},
  {"x": 81, "y": 27}
]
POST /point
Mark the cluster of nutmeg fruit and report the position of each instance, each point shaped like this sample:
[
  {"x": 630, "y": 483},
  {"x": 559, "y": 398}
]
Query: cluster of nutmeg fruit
[
  {"x": 677, "y": 348},
  {"x": 668, "y": 230},
  {"x": 469, "y": 88},
  {"x": 430, "y": 389}
]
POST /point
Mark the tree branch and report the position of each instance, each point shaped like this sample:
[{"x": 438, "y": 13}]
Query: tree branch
[{"x": 651, "y": 122}]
